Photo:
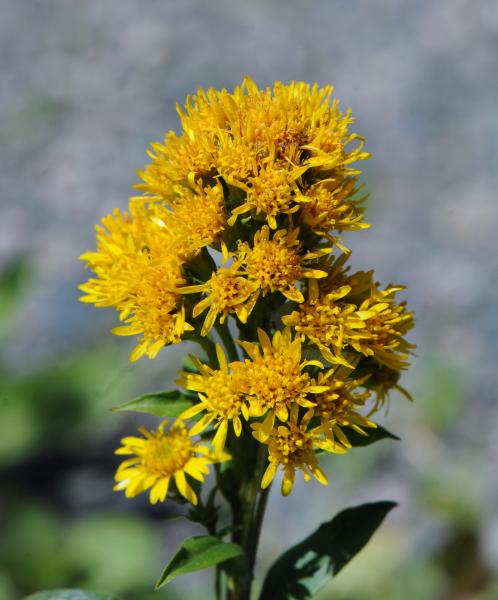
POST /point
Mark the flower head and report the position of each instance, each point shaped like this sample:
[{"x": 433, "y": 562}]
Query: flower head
[
  {"x": 339, "y": 405},
  {"x": 263, "y": 141},
  {"x": 227, "y": 291},
  {"x": 197, "y": 218},
  {"x": 381, "y": 380},
  {"x": 271, "y": 192},
  {"x": 386, "y": 322},
  {"x": 327, "y": 321},
  {"x": 159, "y": 456},
  {"x": 331, "y": 206},
  {"x": 220, "y": 398},
  {"x": 276, "y": 264},
  {"x": 292, "y": 446},
  {"x": 275, "y": 379},
  {"x": 138, "y": 272}
]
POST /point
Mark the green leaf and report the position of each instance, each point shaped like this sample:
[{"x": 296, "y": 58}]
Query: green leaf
[
  {"x": 374, "y": 435},
  {"x": 301, "y": 571},
  {"x": 198, "y": 553},
  {"x": 70, "y": 595},
  {"x": 161, "y": 404}
]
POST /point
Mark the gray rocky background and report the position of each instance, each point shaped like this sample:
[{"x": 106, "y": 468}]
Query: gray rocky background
[{"x": 85, "y": 86}]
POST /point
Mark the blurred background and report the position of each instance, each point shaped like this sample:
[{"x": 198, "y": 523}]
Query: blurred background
[{"x": 85, "y": 86}]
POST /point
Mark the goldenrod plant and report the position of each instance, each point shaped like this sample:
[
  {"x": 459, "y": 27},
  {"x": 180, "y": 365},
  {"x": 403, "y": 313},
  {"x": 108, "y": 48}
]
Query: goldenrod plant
[{"x": 234, "y": 242}]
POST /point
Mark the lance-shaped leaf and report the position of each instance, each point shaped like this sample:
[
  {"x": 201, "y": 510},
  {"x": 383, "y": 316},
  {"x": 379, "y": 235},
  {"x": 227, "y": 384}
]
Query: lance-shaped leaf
[
  {"x": 198, "y": 553},
  {"x": 161, "y": 404},
  {"x": 70, "y": 595},
  {"x": 374, "y": 435},
  {"x": 301, "y": 571}
]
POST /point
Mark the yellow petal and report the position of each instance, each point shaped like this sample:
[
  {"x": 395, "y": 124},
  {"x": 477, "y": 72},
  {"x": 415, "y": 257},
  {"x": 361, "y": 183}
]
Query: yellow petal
[
  {"x": 288, "y": 481},
  {"x": 138, "y": 352},
  {"x": 126, "y": 330},
  {"x": 319, "y": 475},
  {"x": 269, "y": 475},
  {"x": 237, "y": 426},
  {"x": 220, "y": 437},
  {"x": 191, "y": 412},
  {"x": 201, "y": 425},
  {"x": 266, "y": 426},
  {"x": 159, "y": 491},
  {"x": 183, "y": 487}
]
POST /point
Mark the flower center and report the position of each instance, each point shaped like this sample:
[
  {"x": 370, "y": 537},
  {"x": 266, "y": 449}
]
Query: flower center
[
  {"x": 275, "y": 380},
  {"x": 270, "y": 192},
  {"x": 291, "y": 448},
  {"x": 221, "y": 395},
  {"x": 273, "y": 265},
  {"x": 168, "y": 453},
  {"x": 228, "y": 289}
]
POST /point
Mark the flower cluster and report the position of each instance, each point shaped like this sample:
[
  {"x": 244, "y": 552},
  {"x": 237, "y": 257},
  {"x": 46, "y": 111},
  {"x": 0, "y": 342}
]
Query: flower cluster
[{"x": 239, "y": 221}]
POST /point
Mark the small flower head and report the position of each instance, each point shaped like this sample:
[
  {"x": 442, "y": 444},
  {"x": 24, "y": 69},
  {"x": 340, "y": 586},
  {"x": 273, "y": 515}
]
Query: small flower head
[
  {"x": 138, "y": 272},
  {"x": 227, "y": 291},
  {"x": 159, "y": 456},
  {"x": 197, "y": 218},
  {"x": 381, "y": 380},
  {"x": 220, "y": 398},
  {"x": 339, "y": 406},
  {"x": 276, "y": 264},
  {"x": 330, "y": 206},
  {"x": 386, "y": 324},
  {"x": 271, "y": 192},
  {"x": 275, "y": 378},
  {"x": 292, "y": 446},
  {"x": 327, "y": 321}
]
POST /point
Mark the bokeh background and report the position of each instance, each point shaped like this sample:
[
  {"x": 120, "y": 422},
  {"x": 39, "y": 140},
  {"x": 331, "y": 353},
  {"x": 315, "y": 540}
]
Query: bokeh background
[{"x": 85, "y": 86}]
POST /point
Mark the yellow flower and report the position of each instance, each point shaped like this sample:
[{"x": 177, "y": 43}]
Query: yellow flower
[
  {"x": 228, "y": 291},
  {"x": 272, "y": 191},
  {"x": 327, "y": 322},
  {"x": 329, "y": 205},
  {"x": 386, "y": 322},
  {"x": 382, "y": 380},
  {"x": 160, "y": 456},
  {"x": 276, "y": 264},
  {"x": 197, "y": 218},
  {"x": 338, "y": 406},
  {"x": 274, "y": 379},
  {"x": 338, "y": 275},
  {"x": 263, "y": 141},
  {"x": 292, "y": 446},
  {"x": 138, "y": 272},
  {"x": 220, "y": 397}
]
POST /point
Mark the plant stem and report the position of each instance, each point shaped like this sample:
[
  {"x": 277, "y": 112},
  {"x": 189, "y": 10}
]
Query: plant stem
[
  {"x": 248, "y": 516},
  {"x": 247, "y": 500},
  {"x": 217, "y": 583},
  {"x": 209, "y": 348},
  {"x": 227, "y": 339},
  {"x": 258, "y": 522}
]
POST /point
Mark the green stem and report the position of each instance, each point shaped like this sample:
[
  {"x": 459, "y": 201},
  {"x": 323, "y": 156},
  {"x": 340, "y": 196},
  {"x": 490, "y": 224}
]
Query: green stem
[
  {"x": 209, "y": 348},
  {"x": 217, "y": 583},
  {"x": 248, "y": 516},
  {"x": 258, "y": 522},
  {"x": 227, "y": 339}
]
